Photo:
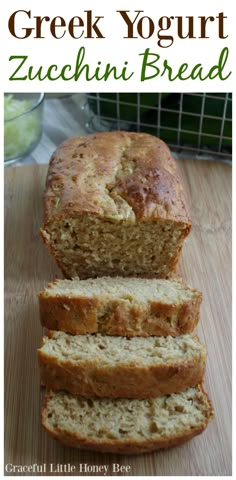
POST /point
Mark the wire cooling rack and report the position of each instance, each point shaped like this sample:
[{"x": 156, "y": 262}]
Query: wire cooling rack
[{"x": 200, "y": 123}]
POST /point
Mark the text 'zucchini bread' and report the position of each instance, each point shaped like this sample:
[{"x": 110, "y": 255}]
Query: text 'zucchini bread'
[
  {"x": 126, "y": 426},
  {"x": 123, "y": 306},
  {"x": 135, "y": 367},
  {"x": 114, "y": 205}
]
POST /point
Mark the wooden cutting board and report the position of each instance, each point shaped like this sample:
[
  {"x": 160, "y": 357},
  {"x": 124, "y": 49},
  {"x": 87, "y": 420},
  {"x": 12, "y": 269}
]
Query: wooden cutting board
[{"x": 205, "y": 264}]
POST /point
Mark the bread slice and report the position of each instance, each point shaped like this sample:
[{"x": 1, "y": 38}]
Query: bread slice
[
  {"x": 114, "y": 205},
  {"x": 135, "y": 367},
  {"x": 126, "y": 426},
  {"x": 120, "y": 306}
]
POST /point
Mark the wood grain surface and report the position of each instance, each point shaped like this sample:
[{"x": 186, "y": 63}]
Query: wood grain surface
[{"x": 205, "y": 264}]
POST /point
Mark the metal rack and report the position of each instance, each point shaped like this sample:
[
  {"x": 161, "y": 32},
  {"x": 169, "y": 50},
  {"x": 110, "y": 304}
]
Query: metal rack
[{"x": 196, "y": 123}]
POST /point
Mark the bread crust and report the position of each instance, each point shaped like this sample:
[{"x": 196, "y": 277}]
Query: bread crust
[
  {"x": 122, "y": 448},
  {"x": 81, "y": 315},
  {"x": 130, "y": 447},
  {"x": 119, "y": 177},
  {"x": 153, "y": 187},
  {"x": 90, "y": 378}
]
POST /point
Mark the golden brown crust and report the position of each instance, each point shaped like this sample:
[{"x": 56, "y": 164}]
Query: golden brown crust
[
  {"x": 81, "y": 315},
  {"x": 88, "y": 174},
  {"x": 123, "y": 448},
  {"x": 112, "y": 180},
  {"x": 131, "y": 447},
  {"x": 76, "y": 316},
  {"x": 122, "y": 380}
]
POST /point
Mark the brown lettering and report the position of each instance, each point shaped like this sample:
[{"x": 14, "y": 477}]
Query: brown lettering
[
  {"x": 93, "y": 26},
  {"x": 221, "y": 18},
  {"x": 75, "y": 22},
  {"x": 150, "y": 27},
  {"x": 129, "y": 23},
  {"x": 12, "y": 26},
  {"x": 203, "y": 22},
  {"x": 55, "y": 26},
  {"x": 190, "y": 30},
  {"x": 161, "y": 24}
]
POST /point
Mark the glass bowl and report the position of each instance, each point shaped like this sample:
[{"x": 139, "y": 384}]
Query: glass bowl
[{"x": 22, "y": 124}]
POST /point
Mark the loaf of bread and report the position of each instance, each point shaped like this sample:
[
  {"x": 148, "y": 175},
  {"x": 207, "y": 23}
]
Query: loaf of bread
[
  {"x": 135, "y": 367},
  {"x": 114, "y": 205},
  {"x": 126, "y": 426},
  {"x": 120, "y": 306}
]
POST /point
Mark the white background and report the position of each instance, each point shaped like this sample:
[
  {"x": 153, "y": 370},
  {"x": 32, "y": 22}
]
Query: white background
[{"x": 115, "y": 49}]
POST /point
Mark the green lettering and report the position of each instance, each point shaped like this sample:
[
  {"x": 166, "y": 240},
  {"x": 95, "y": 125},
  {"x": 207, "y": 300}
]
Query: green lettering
[
  {"x": 39, "y": 74},
  {"x": 112, "y": 70},
  {"x": 49, "y": 73},
  {"x": 79, "y": 63},
  {"x": 167, "y": 69},
  {"x": 63, "y": 73},
  {"x": 218, "y": 69},
  {"x": 146, "y": 63},
  {"x": 13, "y": 57},
  {"x": 197, "y": 72},
  {"x": 183, "y": 67}
]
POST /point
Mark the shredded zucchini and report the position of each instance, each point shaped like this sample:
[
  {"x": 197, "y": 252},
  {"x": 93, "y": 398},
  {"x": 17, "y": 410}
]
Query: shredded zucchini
[{"x": 19, "y": 133}]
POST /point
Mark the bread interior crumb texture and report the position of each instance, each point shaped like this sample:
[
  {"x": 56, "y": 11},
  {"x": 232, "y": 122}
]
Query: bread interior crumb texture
[
  {"x": 115, "y": 350},
  {"x": 122, "y": 419},
  {"x": 89, "y": 244},
  {"x": 131, "y": 289}
]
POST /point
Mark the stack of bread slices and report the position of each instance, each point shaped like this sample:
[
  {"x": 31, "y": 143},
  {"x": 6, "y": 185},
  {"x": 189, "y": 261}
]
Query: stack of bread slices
[
  {"x": 122, "y": 364},
  {"x": 121, "y": 361}
]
